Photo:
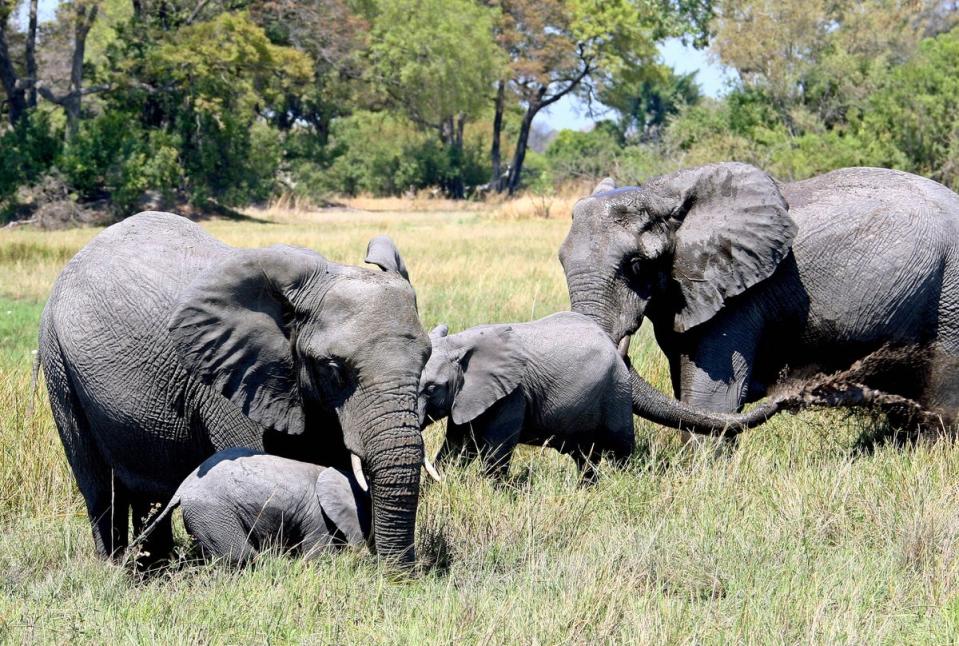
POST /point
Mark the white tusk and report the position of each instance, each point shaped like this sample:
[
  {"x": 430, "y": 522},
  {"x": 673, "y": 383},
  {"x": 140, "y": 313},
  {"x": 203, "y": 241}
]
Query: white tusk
[
  {"x": 430, "y": 469},
  {"x": 358, "y": 471},
  {"x": 624, "y": 346}
]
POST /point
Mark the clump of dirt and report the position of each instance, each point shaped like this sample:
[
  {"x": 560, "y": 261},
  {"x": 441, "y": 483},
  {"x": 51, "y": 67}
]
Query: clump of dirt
[{"x": 849, "y": 389}]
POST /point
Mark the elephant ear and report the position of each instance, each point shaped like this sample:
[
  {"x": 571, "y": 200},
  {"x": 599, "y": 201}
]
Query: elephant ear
[
  {"x": 232, "y": 329},
  {"x": 492, "y": 364},
  {"x": 345, "y": 504},
  {"x": 735, "y": 230},
  {"x": 608, "y": 184},
  {"x": 383, "y": 253}
]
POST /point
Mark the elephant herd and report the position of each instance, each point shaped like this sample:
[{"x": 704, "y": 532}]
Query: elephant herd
[{"x": 184, "y": 371}]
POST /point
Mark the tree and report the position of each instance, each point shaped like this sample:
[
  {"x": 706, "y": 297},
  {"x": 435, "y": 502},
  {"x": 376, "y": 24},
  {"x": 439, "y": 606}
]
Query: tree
[
  {"x": 645, "y": 104},
  {"x": 558, "y": 47},
  {"x": 22, "y": 92},
  {"x": 818, "y": 61},
  {"x": 435, "y": 60},
  {"x": 84, "y": 15},
  {"x": 13, "y": 88},
  {"x": 916, "y": 110},
  {"x": 334, "y": 37}
]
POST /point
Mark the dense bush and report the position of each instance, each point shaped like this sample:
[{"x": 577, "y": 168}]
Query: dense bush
[
  {"x": 26, "y": 152},
  {"x": 382, "y": 154},
  {"x": 916, "y": 111}
]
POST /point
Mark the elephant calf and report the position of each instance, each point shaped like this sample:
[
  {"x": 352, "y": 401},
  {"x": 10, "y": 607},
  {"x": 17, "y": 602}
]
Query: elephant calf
[
  {"x": 240, "y": 502},
  {"x": 558, "y": 381}
]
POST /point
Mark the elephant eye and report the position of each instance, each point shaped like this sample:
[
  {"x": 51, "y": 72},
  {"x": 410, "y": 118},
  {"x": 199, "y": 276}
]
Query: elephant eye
[
  {"x": 636, "y": 266},
  {"x": 334, "y": 372}
]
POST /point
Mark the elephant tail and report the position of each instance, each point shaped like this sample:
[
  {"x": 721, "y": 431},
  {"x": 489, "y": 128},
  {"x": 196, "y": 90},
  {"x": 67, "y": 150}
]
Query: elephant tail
[
  {"x": 159, "y": 518},
  {"x": 653, "y": 405}
]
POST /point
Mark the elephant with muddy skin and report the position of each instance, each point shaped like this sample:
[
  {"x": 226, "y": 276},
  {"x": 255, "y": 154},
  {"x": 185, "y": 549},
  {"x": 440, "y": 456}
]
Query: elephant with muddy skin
[
  {"x": 744, "y": 279},
  {"x": 162, "y": 346}
]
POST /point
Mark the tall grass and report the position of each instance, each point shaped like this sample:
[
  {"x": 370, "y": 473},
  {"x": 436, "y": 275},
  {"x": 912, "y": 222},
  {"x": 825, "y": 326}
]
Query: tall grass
[{"x": 792, "y": 537}]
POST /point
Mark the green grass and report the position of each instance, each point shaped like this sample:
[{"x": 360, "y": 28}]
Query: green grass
[{"x": 792, "y": 537}]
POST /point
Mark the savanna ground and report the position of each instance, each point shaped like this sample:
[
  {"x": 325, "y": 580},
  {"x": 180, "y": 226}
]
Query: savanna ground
[{"x": 794, "y": 537}]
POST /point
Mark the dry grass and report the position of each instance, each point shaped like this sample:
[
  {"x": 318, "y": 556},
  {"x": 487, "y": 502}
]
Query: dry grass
[
  {"x": 793, "y": 537},
  {"x": 531, "y": 204}
]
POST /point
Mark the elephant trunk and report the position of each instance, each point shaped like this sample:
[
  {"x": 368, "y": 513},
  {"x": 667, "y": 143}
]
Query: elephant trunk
[
  {"x": 649, "y": 403},
  {"x": 394, "y": 456}
]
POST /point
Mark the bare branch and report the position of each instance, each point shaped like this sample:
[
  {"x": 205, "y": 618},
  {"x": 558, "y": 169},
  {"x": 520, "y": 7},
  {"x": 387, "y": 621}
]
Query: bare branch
[{"x": 196, "y": 12}]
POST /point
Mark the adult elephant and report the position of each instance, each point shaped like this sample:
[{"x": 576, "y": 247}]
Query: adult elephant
[
  {"x": 743, "y": 277},
  {"x": 162, "y": 346}
]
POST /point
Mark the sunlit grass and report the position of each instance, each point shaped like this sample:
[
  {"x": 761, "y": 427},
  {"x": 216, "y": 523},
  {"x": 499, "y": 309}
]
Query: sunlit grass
[{"x": 792, "y": 537}]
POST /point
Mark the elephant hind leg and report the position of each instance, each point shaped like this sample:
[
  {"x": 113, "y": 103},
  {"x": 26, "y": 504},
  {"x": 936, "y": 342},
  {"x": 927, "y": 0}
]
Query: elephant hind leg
[
  {"x": 218, "y": 532},
  {"x": 107, "y": 500},
  {"x": 585, "y": 456}
]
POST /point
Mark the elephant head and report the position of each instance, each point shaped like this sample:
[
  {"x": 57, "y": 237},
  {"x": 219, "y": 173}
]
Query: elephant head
[
  {"x": 468, "y": 373},
  {"x": 677, "y": 249},
  {"x": 282, "y": 331}
]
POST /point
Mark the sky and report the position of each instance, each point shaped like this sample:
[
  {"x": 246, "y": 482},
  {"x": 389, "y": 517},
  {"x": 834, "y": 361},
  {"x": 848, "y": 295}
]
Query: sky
[{"x": 569, "y": 112}]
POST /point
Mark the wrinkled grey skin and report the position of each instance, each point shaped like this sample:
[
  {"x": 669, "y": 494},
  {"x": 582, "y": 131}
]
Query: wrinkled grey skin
[
  {"x": 743, "y": 278},
  {"x": 240, "y": 502},
  {"x": 162, "y": 346},
  {"x": 556, "y": 382}
]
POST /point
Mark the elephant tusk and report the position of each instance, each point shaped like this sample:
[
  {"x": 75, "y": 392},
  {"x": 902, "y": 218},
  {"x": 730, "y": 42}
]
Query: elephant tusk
[
  {"x": 430, "y": 469},
  {"x": 624, "y": 345},
  {"x": 358, "y": 471}
]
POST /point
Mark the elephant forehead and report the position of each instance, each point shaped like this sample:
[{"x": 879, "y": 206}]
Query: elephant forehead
[
  {"x": 372, "y": 297},
  {"x": 594, "y": 240}
]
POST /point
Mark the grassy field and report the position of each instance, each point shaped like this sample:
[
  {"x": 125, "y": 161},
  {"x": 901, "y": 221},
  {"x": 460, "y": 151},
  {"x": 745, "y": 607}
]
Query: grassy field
[{"x": 793, "y": 537}]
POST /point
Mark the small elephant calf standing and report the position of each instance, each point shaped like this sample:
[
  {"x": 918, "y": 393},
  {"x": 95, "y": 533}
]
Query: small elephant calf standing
[
  {"x": 240, "y": 502},
  {"x": 558, "y": 382}
]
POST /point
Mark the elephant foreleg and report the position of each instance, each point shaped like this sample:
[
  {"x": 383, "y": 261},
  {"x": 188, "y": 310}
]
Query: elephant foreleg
[
  {"x": 459, "y": 446},
  {"x": 715, "y": 372},
  {"x": 499, "y": 433}
]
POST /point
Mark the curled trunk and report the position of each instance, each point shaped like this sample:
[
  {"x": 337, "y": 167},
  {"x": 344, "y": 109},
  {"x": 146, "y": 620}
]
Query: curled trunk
[{"x": 649, "y": 403}]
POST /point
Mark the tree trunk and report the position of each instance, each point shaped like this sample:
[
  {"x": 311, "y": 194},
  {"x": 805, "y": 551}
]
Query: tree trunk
[
  {"x": 457, "y": 186},
  {"x": 31, "y": 55},
  {"x": 516, "y": 169},
  {"x": 72, "y": 101},
  {"x": 16, "y": 100},
  {"x": 496, "y": 182}
]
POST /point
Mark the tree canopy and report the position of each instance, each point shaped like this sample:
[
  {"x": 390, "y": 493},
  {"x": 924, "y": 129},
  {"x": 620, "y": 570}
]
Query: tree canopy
[{"x": 134, "y": 103}]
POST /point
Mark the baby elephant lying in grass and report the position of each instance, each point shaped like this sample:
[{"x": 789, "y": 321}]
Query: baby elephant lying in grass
[
  {"x": 558, "y": 382},
  {"x": 240, "y": 502}
]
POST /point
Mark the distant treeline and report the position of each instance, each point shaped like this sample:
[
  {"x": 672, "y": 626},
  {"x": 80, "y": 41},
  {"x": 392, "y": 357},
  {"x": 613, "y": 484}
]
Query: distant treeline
[{"x": 228, "y": 102}]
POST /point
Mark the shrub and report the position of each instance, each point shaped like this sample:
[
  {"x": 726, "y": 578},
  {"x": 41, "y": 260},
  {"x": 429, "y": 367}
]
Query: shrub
[
  {"x": 26, "y": 152},
  {"x": 577, "y": 155},
  {"x": 383, "y": 154}
]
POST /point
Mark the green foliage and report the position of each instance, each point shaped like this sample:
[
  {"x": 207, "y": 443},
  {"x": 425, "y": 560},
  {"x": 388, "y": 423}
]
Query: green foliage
[
  {"x": 645, "y": 104},
  {"x": 112, "y": 155},
  {"x": 576, "y": 155},
  {"x": 383, "y": 154},
  {"x": 917, "y": 110},
  {"x": 434, "y": 58},
  {"x": 239, "y": 101},
  {"x": 27, "y": 151}
]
